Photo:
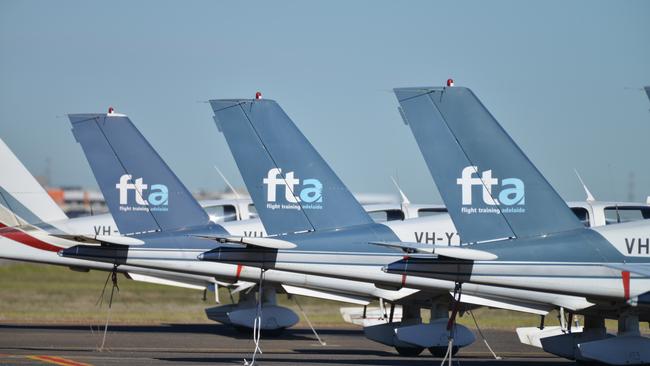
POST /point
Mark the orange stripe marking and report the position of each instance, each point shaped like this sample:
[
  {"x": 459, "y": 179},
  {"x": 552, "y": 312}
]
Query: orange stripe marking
[{"x": 58, "y": 361}]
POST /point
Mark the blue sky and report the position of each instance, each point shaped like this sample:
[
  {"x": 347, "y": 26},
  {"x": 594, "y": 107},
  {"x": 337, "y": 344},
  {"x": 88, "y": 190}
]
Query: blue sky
[{"x": 563, "y": 77}]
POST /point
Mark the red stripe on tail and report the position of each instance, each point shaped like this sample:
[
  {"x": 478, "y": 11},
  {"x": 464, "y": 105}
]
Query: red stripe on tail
[
  {"x": 24, "y": 238},
  {"x": 239, "y": 267}
]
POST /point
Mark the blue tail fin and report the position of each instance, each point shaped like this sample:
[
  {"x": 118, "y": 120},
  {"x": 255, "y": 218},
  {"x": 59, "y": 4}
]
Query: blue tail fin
[
  {"x": 490, "y": 187},
  {"x": 141, "y": 192},
  {"x": 292, "y": 187}
]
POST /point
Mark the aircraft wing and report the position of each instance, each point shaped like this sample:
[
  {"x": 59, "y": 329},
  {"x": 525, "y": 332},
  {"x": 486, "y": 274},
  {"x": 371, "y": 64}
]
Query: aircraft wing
[
  {"x": 507, "y": 305},
  {"x": 441, "y": 250},
  {"x": 195, "y": 285},
  {"x": 327, "y": 295}
]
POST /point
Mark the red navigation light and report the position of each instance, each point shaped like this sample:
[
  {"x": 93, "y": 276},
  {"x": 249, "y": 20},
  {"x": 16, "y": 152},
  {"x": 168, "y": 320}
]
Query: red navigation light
[
  {"x": 258, "y": 95},
  {"x": 111, "y": 110},
  {"x": 450, "y": 82}
]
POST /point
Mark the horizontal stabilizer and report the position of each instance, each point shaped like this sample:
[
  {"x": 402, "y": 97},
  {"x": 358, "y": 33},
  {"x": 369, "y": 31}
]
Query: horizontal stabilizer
[
  {"x": 268, "y": 243},
  {"x": 533, "y": 336},
  {"x": 101, "y": 239},
  {"x": 394, "y": 295},
  {"x": 441, "y": 250},
  {"x": 367, "y": 316}
]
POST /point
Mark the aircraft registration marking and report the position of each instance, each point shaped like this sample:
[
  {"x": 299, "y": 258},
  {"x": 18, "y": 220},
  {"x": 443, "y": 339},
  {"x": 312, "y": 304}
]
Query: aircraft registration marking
[
  {"x": 642, "y": 245},
  {"x": 431, "y": 237}
]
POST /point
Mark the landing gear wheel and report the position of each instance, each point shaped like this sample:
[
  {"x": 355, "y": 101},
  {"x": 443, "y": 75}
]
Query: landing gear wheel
[
  {"x": 441, "y": 351},
  {"x": 409, "y": 351}
]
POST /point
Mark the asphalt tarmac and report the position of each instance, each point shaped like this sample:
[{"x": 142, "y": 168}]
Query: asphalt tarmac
[{"x": 206, "y": 344}]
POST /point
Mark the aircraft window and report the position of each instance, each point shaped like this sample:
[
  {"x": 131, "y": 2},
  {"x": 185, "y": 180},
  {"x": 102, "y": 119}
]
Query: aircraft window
[
  {"x": 582, "y": 214},
  {"x": 386, "y": 215},
  {"x": 222, "y": 213},
  {"x": 431, "y": 211},
  {"x": 616, "y": 214},
  {"x": 252, "y": 211}
]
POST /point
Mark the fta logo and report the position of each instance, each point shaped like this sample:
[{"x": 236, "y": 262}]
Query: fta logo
[
  {"x": 156, "y": 196},
  {"x": 310, "y": 191},
  {"x": 509, "y": 193}
]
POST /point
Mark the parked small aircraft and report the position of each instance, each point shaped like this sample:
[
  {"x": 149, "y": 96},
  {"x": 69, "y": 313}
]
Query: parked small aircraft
[
  {"x": 518, "y": 233},
  {"x": 365, "y": 271},
  {"x": 29, "y": 217}
]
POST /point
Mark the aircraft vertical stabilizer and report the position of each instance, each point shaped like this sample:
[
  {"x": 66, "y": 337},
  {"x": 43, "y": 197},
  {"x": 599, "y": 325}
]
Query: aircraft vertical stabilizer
[
  {"x": 292, "y": 187},
  {"x": 22, "y": 194},
  {"x": 489, "y": 186},
  {"x": 141, "y": 192}
]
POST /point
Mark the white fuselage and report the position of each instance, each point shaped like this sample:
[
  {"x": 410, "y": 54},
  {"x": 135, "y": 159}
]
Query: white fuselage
[
  {"x": 355, "y": 273},
  {"x": 599, "y": 278}
]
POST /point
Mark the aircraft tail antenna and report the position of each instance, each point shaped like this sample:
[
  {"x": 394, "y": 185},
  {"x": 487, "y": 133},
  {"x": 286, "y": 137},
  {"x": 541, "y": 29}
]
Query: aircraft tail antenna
[
  {"x": 232, "y": 189},
  {"x": 405, "y": 200},
  {"x": 590, "y": 197}
]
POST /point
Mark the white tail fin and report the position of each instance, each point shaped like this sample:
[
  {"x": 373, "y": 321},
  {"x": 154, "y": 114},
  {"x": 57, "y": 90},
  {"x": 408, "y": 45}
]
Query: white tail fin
[{"x": 23, "y": 195}]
